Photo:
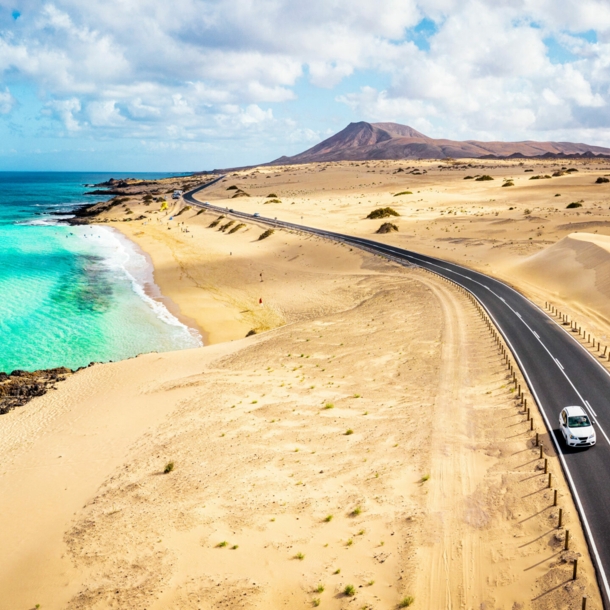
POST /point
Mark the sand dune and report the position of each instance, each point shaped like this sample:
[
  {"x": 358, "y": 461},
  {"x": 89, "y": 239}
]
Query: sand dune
[{"x": 575, "y": 270}]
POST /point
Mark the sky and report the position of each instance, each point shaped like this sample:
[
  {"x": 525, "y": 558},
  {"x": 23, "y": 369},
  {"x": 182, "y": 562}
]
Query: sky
[{"x": 189, "y": 85}]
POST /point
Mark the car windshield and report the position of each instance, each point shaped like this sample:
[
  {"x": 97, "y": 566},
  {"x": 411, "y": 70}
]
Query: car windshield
[{"x": 578, "y": 421}]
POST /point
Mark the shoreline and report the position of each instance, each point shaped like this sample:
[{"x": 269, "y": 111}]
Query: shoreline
[{"x": 153, "y": 291}]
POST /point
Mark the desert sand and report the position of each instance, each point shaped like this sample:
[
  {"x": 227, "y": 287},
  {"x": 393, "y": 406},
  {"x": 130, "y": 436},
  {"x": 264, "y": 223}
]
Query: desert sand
[{"x": 366, "y": 435}]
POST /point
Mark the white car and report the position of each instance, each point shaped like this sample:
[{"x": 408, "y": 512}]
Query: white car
[{"x": 576, "y": 427}]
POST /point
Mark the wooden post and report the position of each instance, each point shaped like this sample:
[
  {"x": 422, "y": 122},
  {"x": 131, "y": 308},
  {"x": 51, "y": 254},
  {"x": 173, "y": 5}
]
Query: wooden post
[
  {"x": 560, "y": 521},
  {"x": 532, "y": 425},
  {"x": 541, "y": 449},
  {"x": 546, "y": 465},
  {"x": 566, "y": 546},
  {"x": 575, "y": 573},
  {"x": 537, "y": 439},
  {"x": 584, "y": 603},
  {"x": 550, "y": 479},
  {"x": 555, "y": 498}
]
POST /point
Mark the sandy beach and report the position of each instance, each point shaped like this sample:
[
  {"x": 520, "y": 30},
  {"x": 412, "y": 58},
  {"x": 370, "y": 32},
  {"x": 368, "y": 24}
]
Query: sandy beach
[{"x": 360, "y": 449}]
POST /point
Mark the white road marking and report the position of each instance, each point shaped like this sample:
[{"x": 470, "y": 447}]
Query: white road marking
[{"x": 590, "y": 408}]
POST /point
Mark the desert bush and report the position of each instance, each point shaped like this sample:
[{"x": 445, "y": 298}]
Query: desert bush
[
  {"x": 382, "y": 213},
  {"x": 509, "y": 183},
  {"x": 468, "y": 177},
  {"x": 250, "y": 333},
  {"x": 232, "y": 188},
  {"x": 184, "y": 209},
  {"x": 273, "y": 201},
  {"x": 226, "y": 225},
  {"x": 387, "y": 227},
  {"x": 168, "y": 467},
  {"x": 558, "y": 173},
  {"x": 571, "y": 170},
  {"x": 527, "y": 170},
  {"x": 574, "y": 204},
  {"x": 405, "y": 602},
  {"x": 201, "y": 211},
  {"x": 349, "y": 590},
  {"x": 266, "y": 234},
  {"x": 601, "y": 180},
  {"x": 237, "y": 228},
  {"x": 215, "y": 223},
  {"x": 240, "y": 193},
  {"x": 403, "y": 193},
  {"x": 483, "y": 178},
  {"x": 271, "y": 195}
]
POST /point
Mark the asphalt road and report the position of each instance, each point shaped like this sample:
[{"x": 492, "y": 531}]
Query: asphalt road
[{"x": 559, "y": 372}]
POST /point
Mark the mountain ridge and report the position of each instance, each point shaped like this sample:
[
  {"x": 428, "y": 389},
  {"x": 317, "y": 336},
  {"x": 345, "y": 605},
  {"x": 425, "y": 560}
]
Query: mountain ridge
[{"x": 362, "y": 141}]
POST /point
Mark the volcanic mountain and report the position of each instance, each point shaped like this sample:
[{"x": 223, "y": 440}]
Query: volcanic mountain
[{"x": 364, "y": 141}]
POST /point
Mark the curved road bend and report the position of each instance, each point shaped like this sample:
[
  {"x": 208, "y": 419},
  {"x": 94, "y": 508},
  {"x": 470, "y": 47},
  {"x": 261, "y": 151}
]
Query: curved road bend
[{"x": 559, "y": 372}]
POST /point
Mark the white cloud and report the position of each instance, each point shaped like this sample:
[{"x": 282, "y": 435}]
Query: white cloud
[
  {"x": 204, "y": 69},
  {"x": 7, "y": 101}
]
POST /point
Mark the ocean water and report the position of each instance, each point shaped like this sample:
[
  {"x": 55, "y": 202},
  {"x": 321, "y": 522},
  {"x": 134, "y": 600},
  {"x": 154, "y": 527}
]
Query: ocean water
[{"x": 73, "y": 295}]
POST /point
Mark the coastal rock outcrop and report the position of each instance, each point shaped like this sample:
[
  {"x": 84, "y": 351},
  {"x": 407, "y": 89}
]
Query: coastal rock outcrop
[{"x": 19, "y": 387}]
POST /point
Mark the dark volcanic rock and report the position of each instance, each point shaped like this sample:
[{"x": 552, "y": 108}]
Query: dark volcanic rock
[{"x": 19, "y": 387}]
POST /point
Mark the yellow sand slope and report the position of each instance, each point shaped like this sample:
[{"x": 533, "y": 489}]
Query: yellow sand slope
[{"x": 576, "y": 270}]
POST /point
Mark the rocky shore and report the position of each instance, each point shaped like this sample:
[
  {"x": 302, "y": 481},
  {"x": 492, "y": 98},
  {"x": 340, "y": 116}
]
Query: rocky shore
[{"x": 19, "y": 387}]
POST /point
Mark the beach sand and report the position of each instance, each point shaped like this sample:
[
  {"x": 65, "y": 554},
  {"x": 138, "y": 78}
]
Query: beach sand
[{"x": 366, "y": 436}]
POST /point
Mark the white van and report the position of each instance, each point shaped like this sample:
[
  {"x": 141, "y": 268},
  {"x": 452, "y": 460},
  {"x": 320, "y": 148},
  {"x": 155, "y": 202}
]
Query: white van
[{"x": 177, "y": 194}]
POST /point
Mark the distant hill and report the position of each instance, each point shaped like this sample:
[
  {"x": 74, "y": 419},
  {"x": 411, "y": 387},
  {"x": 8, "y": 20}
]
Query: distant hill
[{"x": 366, "y": 141}]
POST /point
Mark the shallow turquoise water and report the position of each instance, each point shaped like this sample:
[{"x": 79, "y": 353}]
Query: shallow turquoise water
[{"x": 73, "y": 295}]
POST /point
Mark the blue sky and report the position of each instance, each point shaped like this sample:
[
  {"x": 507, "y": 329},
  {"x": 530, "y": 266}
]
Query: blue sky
[{"x": 145, "y": 85}]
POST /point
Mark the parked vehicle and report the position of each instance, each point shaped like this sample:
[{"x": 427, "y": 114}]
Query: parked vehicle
[
  {"x": 256, "y": 214},
  {"x": 576, "y": 427},
  {"x": 177, "y": 194}
]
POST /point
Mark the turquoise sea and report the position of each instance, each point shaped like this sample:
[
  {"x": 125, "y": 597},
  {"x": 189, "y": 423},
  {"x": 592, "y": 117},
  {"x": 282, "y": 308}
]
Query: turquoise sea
[{"x": 73, "y": 295}]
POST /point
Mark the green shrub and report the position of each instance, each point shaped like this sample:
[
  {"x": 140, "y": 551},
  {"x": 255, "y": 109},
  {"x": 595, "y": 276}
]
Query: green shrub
[
  {"x": 273, "y": 201},
  {"x": 266, "y": 234},
  {"x": 237, "y": 227},
  {"x": 403, "y": 193},
  {"x": 168, "y": 467},
  {"x": 382, "y": 213},
  {"x": 348, "y": 432},
  {"x": 184, "y": 209},
  {"x": 387, "y": 227},
  {"x": 405, "y": 602},
  {"x": 483, "y": 178},
  {"x": 574, "y": 204},
  {"x": 271, "y": 195},
  {"x": 226, "y": 226},
  {"x": 509, "y": 183},
  {"x": 215, "y": 223}
]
